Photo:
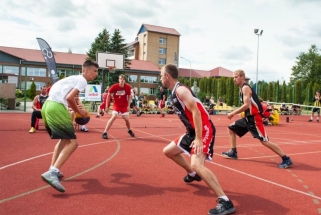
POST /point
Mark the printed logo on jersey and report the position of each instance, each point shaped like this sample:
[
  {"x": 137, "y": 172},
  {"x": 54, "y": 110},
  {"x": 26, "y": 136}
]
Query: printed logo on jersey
[{"x": 120, "y": 92}]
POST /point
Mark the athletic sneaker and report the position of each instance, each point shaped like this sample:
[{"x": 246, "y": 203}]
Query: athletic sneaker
[
  {"x": 223, "y": 207},
  {"x": 84, "y": 129},
  {"x": 139, "y": 113},
  {"x": 32, "y": 130},
  {"x": 317, "y": 120},
  {"x": 131, "y": 133},
  {"x": 230, "y": 154},
  {"x": 97, "y": 116},
  {"x": 102, "y": 113},
  {"x": 162, "y": 115},
  {"x": 189, "y": 179},
  {"x": 105, "y": 136},
  {"x": 51, "y": 178},
  {"x": 310, "y": 120},
  {"x": 60, "y": 175},
  {"x": 285, "y": 163}
]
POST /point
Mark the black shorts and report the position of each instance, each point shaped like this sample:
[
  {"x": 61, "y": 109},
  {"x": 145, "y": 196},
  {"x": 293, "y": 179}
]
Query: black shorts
[
  {"x": 253, "y": 124},
  {"x": 133, "y": 103},
  {"x": 316, "y": 110}
]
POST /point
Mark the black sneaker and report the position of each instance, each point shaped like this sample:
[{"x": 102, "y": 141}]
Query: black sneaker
[
  {"x": 285, "y": 163},
  {"x": 223, "y": 207},
  {"x": 97, "y": 116},
  {"x": 310, "y": 120},
  {"x": 317, "y": 120},
  {"x": 131, "y": 133},
  {"x": 189, "y": 179},
  {"x": 105, "y": 136},
  {"x": 230, "y": 154}
]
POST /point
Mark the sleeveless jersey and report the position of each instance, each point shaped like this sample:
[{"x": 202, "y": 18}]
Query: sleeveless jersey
[
  {"x": 42, "y": 99},
  {"x": 184, "y": 114},
  {"x": 255, "y": 104}
]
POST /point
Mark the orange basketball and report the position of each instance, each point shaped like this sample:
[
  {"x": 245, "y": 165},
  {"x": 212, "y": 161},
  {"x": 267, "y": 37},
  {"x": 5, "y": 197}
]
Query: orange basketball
[{"x": 79, "y": 119}]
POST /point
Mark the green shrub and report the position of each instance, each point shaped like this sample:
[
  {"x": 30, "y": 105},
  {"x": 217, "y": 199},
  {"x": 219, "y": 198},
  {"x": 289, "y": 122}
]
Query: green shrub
[{"x": 19, "y": 93}]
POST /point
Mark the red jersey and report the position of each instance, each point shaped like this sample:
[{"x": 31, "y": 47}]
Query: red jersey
[{"x": 121, "y": 96}]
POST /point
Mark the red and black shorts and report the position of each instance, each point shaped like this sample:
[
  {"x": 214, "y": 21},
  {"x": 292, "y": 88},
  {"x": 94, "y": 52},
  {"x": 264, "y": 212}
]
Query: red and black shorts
[
  {"x": 253, "y": 124},
  {"x": 208, "y": 136}
]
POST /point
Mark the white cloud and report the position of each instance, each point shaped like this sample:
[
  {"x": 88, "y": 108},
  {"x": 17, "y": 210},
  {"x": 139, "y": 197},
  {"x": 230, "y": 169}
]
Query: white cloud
[{"x": 214, "y": 33}]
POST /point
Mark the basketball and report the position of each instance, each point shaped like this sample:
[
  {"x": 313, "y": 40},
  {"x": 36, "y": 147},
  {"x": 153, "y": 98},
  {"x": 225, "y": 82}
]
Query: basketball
[{"x": 79, "y": 119}]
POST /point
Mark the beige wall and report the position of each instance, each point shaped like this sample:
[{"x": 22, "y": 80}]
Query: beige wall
[{"x": 150, "y": 45}]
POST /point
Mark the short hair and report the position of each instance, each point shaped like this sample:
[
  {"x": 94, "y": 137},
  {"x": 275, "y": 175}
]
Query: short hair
[
  {"x": 42, "y": 87},
  {"x": 171, "y": 69},
  {"x": 123, "y": 77},
  {"x": 89, "y": 63},
  {"x": 239, "y": 72}
]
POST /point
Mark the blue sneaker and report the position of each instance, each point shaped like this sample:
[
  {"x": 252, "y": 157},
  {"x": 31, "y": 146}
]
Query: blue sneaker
[
  {"x": 230, "y": 154},
  {"x": 285, "y": 163}
]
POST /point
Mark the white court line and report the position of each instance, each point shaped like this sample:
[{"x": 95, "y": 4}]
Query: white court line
[
  {"x": 267, "y": 181},
  {"x": 67, "y": 179}
]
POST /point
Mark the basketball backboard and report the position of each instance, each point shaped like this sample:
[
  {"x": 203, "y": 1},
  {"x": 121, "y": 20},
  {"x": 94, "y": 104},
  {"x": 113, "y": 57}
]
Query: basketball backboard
[{"x": 107, "y": 60}]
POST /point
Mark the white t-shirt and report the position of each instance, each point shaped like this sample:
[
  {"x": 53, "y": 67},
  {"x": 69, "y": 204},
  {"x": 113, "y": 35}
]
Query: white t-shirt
[{"x": 60, "y": 89}]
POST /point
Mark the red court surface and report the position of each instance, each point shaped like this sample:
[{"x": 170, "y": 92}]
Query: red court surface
[{"x": 125, "y": 175}]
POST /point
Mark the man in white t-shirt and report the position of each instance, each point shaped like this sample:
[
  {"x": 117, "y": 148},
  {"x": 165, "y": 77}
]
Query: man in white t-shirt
[{"x": 58, "y": 121}]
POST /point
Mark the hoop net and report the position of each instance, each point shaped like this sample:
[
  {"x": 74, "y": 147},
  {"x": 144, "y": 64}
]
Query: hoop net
[{"x": 112, "y": 69}]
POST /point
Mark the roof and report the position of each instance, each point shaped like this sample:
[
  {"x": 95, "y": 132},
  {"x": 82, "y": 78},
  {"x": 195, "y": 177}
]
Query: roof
[
  {"x": 158, "y": 29},
  {"x": 143, "y": 65},
  {"x": 217, "y": 72},
  {"x": 36, "y": 56},
  {"x": 131, "y": 43}
]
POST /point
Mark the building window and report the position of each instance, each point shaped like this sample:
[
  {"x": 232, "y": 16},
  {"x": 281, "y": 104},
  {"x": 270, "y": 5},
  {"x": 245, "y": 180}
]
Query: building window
[
  {"x": 162, "y": 50},
  {"x": 132, "y": 78},
  {"x": 38, "y": 85},
  {"x": 39, "y": 72},
  {"x": 11, "y": 70},
  {"x": 162, "y": 40},
  {"x": 148, "y": 79},
  {"x": 148, "y": 91},
  {"x": 162, "y": 61}
]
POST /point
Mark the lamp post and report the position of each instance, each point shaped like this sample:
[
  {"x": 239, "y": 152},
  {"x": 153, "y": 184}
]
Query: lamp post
[
  {"x": 256, "y": 32},
  {"x": 190, "y": 71}
]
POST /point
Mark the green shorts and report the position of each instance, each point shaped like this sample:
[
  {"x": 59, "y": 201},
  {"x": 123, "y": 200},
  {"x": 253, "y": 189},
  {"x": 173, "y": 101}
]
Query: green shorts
[{"x": 57, "y": 120}]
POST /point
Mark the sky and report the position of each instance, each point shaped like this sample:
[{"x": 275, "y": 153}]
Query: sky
[{"x": 214, "y": 33}]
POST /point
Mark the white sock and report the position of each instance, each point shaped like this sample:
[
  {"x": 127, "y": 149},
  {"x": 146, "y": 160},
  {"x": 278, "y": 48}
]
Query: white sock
[
  {"x": 224, "y": 197},
  {"x": 54, "y": 169},
  {"x": 317, "y": 118},
  {"x": 311, "y": 118},
  {"x": 192, "y": 174}
]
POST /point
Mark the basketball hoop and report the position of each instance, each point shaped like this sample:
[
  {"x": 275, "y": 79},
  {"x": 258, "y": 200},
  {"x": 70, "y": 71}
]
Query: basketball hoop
[{"x": 112, "y": 69}]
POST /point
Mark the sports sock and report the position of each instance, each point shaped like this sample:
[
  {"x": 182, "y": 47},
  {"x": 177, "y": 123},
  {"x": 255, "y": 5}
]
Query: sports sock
[
  {"x": 192, "y": 174},
  {"x": 54, "y": 169},
  {"x": 311, "y": 118},
  {"x": 224, "y": 197}
]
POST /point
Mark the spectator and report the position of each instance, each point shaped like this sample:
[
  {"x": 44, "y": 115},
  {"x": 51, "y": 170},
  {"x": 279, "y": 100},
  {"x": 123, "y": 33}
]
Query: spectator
[
  {"x": 140, "y": 100},
  {"x": 317, "y": 105},
  {"x": 274, "y": 118},
  {"x": 38, "y": 101},
  {"x": 102, "y": 107},
  {"x": 212, "y": 102},
  {"x": 220, "y": 101},
  {"x": 207, "y": 101}
]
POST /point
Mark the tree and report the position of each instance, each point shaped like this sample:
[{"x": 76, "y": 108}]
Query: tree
[
  {"x": 32, "y": 91},
  {"x": 308, "y": 67},
  {"x": 106, "y": 43},
  {"x": 101, "y": 43}
]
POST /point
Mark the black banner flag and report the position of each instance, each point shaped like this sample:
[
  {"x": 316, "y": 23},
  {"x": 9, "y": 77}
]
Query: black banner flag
[{"x": 48, "y": 55}]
